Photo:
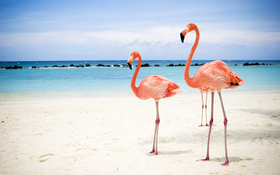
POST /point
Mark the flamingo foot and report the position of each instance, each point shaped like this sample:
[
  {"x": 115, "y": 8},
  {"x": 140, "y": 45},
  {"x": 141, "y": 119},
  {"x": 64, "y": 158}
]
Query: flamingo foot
[
  {"x": 226, "y": 163},
  {"x": 200, "y": 125},
  {"x": 206, "y": 159},
  {"x": 206, "y": 124},
  {"x": 153, "y": 153}
]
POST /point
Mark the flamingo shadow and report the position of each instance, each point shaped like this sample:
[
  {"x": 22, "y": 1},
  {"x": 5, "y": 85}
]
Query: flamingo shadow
[{"x": 231, "y": 159}]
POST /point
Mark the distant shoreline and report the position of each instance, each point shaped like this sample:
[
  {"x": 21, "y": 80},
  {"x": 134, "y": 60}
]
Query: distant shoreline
[{"x": 88, "y": 65}]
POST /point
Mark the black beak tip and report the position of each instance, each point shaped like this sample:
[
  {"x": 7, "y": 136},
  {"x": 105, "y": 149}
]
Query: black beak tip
[
  {"x": 129, "y": 65},
  {"x": 182, "y": 37}
]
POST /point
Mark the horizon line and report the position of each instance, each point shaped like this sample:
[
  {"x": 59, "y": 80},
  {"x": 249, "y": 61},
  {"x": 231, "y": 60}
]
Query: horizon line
[{"x": 144, "y": 60}]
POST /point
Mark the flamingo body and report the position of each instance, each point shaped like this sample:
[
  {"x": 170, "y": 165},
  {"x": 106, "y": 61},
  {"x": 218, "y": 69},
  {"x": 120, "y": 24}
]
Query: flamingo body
[
  {"x": 216, "y": 76},
  {"x": 155, "y": 87}
]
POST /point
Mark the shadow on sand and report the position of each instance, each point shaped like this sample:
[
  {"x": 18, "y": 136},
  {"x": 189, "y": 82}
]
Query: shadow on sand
[{"x": 231, "y": 159}]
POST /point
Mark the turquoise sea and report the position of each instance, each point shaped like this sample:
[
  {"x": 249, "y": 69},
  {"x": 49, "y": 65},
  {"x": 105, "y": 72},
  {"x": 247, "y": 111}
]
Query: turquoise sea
[{"x": 96, "y": 81}]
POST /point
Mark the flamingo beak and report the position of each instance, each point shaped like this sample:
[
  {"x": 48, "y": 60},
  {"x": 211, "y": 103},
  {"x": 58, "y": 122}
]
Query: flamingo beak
[
  {"x": 184, "y": 33},
  {"x": 129, "y": 62},
  {"x": 129, "y": 65},
  {"x": 182, "y": 37}
]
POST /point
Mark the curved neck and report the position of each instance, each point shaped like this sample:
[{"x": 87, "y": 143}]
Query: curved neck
[
  {"x": 133, "y": 81},
  {"x": 190, "y": 81}
]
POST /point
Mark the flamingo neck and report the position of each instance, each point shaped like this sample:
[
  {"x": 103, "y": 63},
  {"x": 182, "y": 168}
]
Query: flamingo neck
[
  {"x": 133, "y": 81},
  {"x": 191, "y": 81}
]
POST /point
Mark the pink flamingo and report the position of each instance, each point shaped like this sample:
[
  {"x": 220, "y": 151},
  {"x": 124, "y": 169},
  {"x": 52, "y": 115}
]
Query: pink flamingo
[
  {"x": 213, "y": 76},
  {"x": 155, "y": 87}
]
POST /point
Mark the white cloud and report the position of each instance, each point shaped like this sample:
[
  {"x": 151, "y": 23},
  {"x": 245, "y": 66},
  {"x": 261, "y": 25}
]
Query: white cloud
[
  {"x": 157, "y": 43},
  {"x": 162, "y": 34},
  {"x": 144, "y": 37}
]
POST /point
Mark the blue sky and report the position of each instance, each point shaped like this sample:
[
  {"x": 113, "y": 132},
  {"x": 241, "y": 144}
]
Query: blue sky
[{"x": 102, "y": 30}]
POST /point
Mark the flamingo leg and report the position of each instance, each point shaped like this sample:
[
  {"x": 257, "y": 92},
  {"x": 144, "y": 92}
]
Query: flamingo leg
[
  {"x": 154, "y": 150},
  {"x": 202, "y": 109},
  {"x": 210, "y": 127},
  {"x": 225, "y": 124},
  {"x": 206, "y": 109}
]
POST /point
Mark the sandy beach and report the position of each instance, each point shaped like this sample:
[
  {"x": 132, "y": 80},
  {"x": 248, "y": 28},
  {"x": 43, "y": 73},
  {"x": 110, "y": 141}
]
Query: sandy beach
[{"x": 113, "y": 135}]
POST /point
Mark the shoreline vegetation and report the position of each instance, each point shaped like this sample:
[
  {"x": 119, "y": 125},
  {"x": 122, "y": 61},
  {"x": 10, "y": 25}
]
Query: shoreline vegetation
[{"x": 87, "y": 65}]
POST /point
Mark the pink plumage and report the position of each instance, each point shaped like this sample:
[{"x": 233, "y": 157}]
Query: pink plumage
[
  {"x": 216, "y": 76},
  {"x": 213, "y": 76},
  {"x": 155, "y": 87}
]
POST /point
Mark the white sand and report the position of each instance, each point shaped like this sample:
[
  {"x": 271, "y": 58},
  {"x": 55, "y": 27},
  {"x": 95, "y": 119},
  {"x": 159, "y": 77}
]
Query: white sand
[{"x": 114, "y": 135}]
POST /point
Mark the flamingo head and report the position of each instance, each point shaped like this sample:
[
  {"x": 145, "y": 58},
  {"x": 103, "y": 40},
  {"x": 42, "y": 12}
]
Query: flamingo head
[
  {"x": 190, "y": 27},
  {"x": 132, "y": 57}
]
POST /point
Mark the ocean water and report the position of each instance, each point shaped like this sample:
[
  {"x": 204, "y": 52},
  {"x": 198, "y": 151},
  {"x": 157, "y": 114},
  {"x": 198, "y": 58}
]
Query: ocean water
[{"x": 115, "y": 81}]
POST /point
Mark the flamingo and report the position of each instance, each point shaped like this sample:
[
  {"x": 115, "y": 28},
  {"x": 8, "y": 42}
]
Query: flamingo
[
  {"x": 213, "y": 76},
  {"x": 155, "y": 87}
]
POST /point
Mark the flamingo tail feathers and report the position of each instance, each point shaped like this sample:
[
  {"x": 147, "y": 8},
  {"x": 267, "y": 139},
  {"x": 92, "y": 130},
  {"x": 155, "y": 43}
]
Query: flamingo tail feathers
[{"x": 173, "y": 89}]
